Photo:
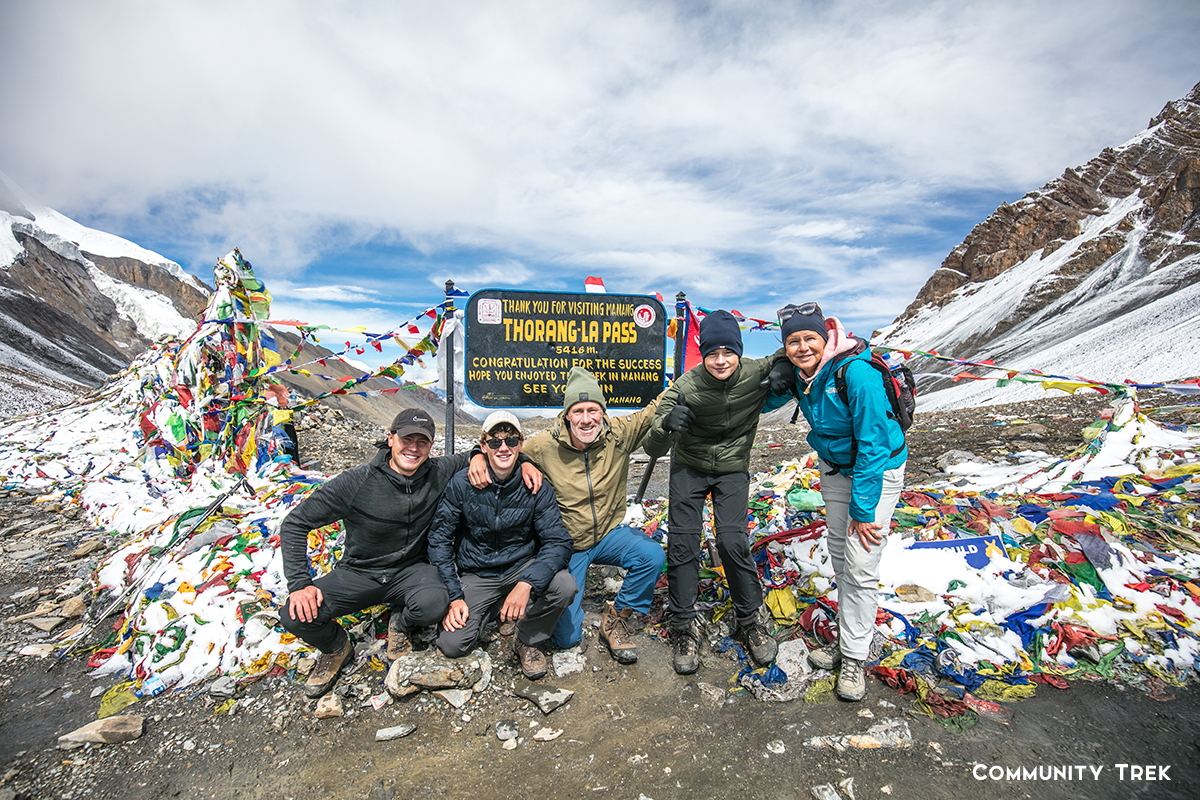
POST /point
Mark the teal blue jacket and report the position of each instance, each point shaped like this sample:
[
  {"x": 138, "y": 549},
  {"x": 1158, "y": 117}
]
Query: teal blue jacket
[{"x": 834, "y": 426}]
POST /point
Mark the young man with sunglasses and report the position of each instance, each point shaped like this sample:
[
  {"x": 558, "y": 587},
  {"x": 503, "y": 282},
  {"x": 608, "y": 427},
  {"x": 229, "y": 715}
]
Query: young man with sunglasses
[
  {"x": 585, "y": 455},
  {"x": 501, "y": 551},
  {"x": 385, "y": 507},
  {"x": 708, "y": 420}
]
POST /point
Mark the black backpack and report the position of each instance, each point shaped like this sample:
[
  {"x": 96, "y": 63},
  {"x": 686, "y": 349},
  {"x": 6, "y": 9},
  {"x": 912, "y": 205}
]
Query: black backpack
[{"x": 899, "y": 385}]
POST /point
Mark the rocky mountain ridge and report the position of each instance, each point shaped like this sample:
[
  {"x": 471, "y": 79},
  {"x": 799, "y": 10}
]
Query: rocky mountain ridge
[
  {"x": 1108, "y": 252},
  {"x": 78, "y": 304}
]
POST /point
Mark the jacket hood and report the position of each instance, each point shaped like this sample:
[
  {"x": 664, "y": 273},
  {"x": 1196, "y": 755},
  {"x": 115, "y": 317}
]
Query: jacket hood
[{"x": 838, "y": 344}]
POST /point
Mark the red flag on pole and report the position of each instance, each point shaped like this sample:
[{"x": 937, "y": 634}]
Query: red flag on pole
[{"x": 691, "y": 339}]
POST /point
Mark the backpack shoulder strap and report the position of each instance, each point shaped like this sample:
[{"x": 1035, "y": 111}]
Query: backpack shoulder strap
[
  {"x": 839, "y": 381},
  {"x": 842, "y": 362}
]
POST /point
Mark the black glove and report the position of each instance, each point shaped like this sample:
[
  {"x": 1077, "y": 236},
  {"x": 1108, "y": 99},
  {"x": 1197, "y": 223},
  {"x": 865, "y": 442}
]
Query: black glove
[
  {"x": 782, "y": 378},
  {"x": 679, "y": 418}
]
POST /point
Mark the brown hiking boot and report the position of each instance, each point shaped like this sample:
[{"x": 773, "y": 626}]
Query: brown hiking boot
[
  {"x": 827, "y": 656},
  {"x": 328, "y": 667},
  {"x": 398, "y": 642},
  {"x": 614, "y": 632},
  {"x": 531, "y": 659},
  {"x": 686, "y": 659},
  {"x": 762, "y": 646},
  {"x": 851, "y": 682}
]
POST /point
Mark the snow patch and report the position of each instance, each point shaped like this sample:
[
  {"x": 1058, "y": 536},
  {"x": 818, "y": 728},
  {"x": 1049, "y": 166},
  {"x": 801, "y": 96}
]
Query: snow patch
[
  {"x": 152, "y": 313},
  {"x": 10, "y": 248}
]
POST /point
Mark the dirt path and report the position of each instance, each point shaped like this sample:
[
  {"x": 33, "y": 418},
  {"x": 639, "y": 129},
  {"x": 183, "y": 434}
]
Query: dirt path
[{"x": 628, "y": 732}]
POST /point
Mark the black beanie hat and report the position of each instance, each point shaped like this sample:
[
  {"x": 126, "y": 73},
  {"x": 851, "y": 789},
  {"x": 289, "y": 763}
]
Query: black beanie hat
[
  {"x": 720, "y": 329},
  {"x": 814, "y": 322}
]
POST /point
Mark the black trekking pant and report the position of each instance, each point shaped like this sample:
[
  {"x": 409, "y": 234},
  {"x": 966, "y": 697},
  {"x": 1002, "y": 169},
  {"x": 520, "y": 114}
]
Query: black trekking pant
[
  {"x": 730, "y": 493},
  {"x": 416, "y": 593}
]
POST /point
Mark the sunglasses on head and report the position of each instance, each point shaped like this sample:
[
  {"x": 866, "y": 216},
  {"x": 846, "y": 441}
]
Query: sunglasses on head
[
  {"x": 805, "y": 310},
  {"x": 511, "y": 441}
]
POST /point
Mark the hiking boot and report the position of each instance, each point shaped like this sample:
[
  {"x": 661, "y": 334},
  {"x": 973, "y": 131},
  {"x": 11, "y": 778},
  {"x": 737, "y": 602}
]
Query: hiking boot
[
  {"x": 687, "y": 650},
  {"x": 851, "y": 682},
  {"x": 762, "y": 646},
  {"x": 329, "y": 666},
  {"x": 614, "y": 632},
  {"x": 531, "y": 659},
  {"x": 826, "y": 657},
  {"x": 399, "y": 643}
]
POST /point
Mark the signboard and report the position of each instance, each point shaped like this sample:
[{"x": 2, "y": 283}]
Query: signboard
[
  {"x": 977, "y": 550},
  {"x": 520, "y": 346}
]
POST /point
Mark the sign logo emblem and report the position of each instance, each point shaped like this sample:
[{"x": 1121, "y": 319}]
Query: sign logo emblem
[
  {"x": 644, "y": 316},
  {"x": 489, "y": 311}
]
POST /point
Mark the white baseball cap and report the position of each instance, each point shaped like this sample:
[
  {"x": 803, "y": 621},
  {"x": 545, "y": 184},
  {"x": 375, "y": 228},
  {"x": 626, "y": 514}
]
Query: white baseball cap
[{"x": 500, "y": 418}]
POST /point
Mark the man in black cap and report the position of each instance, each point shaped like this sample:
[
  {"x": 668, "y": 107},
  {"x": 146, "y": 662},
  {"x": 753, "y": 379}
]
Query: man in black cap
[
  {"x": 385, "y": 506},
  {"x": 708, "y": 419}
]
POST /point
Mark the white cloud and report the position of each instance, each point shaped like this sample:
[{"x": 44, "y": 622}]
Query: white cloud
[
  {"x": 725, "y": 149},
  {"x": 338, "y": 294},
  {"x": 837, "y": 229},
  {"x": 508, "y": 273}
]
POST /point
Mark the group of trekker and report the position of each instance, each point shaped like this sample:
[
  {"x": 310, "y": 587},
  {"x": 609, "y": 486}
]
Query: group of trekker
[{"x": 506, "y": 532}]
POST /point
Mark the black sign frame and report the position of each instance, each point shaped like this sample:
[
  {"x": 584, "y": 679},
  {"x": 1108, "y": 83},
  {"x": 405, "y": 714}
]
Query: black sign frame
[{"x": 521, "y": 345}]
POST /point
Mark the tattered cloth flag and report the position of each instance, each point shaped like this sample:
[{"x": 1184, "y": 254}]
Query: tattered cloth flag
[{"x": 144, "y": 455}]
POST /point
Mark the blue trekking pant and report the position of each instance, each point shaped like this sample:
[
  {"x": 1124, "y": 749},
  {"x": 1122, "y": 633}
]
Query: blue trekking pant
[{"x": 625, "y": 547}]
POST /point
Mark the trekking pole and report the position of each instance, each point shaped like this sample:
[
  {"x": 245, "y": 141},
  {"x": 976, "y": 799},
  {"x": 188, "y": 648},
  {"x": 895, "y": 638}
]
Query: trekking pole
[
  {"x": 641, "y": 492},
  {"x": 124, "y": 596}
]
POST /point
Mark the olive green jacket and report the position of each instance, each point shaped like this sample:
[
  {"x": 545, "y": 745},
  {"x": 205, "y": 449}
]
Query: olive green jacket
[
  {"x": 590, "y": 484},
  {"x": 719, "y": 439}
]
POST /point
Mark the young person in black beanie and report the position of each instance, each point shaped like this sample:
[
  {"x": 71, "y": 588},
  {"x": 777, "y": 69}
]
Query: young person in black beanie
[{"x": 708, "y": 419}]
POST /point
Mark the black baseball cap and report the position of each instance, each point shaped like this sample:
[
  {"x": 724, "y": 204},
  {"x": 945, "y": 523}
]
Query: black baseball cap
[{"x": 413, "y": 421}]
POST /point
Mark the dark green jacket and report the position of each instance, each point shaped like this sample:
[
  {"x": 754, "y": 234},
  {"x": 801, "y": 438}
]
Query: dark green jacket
[{"x": 727, "y": 412}]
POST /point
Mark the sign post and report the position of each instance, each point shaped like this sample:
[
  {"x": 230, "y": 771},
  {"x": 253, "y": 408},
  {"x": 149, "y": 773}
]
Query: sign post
[
  {"x": 448, "y": 350},
  {"x": 522, "y": 345},
  {"x": 680, "y": 318}
]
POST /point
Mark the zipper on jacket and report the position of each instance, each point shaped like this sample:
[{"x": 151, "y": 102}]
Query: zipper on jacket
[{"x": 587, "y": 470}]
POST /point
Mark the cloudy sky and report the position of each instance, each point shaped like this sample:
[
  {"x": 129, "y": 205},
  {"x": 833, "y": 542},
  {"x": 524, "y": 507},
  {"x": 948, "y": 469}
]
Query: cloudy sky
[{"x": 747, "y": 153}]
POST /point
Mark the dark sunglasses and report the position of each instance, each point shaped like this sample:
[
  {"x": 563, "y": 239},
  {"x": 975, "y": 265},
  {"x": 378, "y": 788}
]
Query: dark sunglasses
[
  {"x": 805, "y": 310},
  {"x": 511, "y": 441}
]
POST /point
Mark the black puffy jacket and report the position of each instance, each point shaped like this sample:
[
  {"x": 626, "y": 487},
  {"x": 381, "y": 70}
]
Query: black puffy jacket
[
  {"x": 386, "y": 516},
  {"x": 490, "y": 531}
]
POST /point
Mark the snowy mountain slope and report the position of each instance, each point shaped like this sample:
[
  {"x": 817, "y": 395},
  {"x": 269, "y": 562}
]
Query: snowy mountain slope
[
  {"x": 1096, "y": 274},
  {"x": 76, "y": 303},
  {"x": 71, "y": 239}
]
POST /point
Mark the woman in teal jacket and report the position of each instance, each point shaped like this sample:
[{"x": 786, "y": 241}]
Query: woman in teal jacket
[{"x": 862, "y": 458}]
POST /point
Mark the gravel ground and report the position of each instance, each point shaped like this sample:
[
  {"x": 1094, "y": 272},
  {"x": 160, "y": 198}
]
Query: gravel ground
[
  {"x": 23, "y": 392},
  {"x": 629, "y": 732}
]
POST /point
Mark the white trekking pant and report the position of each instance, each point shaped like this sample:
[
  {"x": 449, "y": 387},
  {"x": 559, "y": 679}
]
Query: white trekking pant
[{"x": 856, "y": 569}]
